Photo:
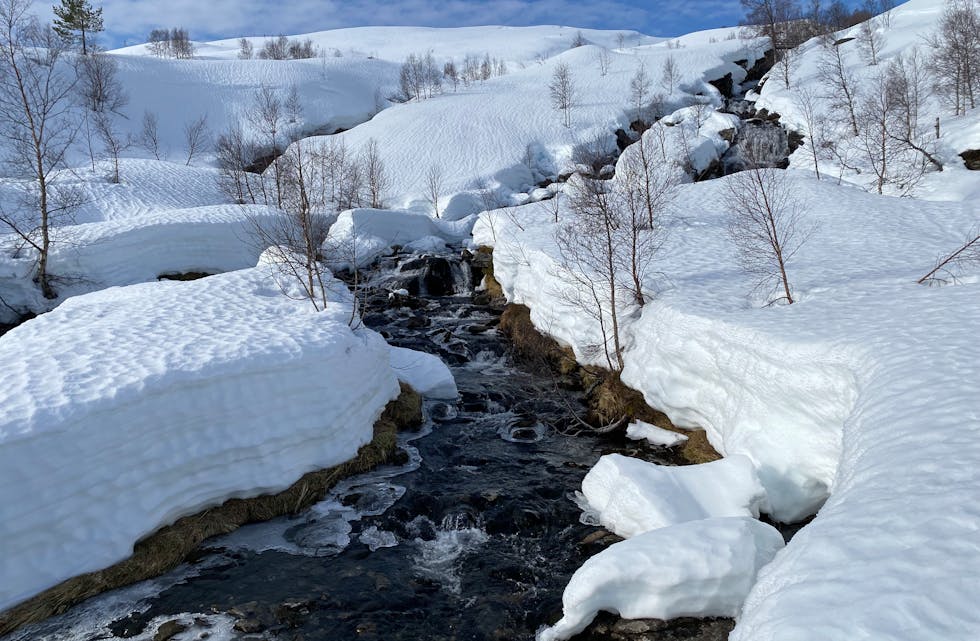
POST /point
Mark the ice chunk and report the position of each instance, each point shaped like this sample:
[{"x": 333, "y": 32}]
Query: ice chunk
[{"x": 639, "y": 431}]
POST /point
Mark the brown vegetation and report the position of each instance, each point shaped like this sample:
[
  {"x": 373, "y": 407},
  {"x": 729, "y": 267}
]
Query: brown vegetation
[{"x": 609, "y": 399}]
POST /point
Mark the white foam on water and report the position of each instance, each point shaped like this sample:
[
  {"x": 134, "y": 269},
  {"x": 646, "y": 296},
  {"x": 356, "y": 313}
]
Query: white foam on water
[{"x": 439, "y": 558}]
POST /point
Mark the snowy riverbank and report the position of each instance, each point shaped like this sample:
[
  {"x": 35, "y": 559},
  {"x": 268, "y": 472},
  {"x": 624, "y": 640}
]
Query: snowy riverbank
[
  {"x": 119, "y": 419},
  {"x": 861, "y": 393}
]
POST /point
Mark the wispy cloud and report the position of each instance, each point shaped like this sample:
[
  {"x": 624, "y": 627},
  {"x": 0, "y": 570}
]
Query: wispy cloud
[{"x": 128, "y": 21}]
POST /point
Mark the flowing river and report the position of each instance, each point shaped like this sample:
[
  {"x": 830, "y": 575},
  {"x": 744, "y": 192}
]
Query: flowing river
[{"x": 473, "y": 536}]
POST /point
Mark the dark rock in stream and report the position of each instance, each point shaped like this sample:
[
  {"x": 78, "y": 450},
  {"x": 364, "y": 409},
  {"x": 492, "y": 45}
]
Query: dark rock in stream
[{"x": 608, "y": 627}]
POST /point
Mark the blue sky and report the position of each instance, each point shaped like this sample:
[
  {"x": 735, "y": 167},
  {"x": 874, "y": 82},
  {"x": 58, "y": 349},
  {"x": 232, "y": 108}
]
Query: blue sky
[{"x": 128, "y": 21}]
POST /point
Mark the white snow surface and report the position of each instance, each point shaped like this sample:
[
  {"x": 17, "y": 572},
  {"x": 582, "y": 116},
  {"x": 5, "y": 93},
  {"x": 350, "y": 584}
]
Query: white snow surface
[
  {"x": 631, "y": 496},
  {"x": 695, "y": 569},
  {"x": 515, "y": 45},
  {"x": 131, "y": 407},
  {"x": 907, "y": 29},
  {"x": 494, "y": 140},
  {"x": 362, "y": 235},
  {"x": 642, "y": 431},
  {"x": 427, "y": 374},
  {"x": 864, "y": 391}
]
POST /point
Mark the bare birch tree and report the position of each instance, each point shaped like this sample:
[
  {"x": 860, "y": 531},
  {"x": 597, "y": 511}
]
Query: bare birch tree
[
  {"x": 871, "y": 41},
  {"x": 956, "y": 54},
  {"x": 197, "y": 137},
  {"x": 767, "y": 228},
  {"x": 149, "y": 136},
  {"x": 434, "y": 179},
  {"x": 588, "y": 245},
  {"x": 604, "y": 58},
  {"x": 640, "y": 87},
  {"x": 38, "y": 125},
  {"x": 376, "y": 176},
  {"x": 295, "y": 238},
  {"x": 814, "y": 123},
  {"x": 114, "y": 142},
  {"x": 562, "y": 90},
  {"x": 670, "y": 76},
  {"x": 838, "y": 82}
]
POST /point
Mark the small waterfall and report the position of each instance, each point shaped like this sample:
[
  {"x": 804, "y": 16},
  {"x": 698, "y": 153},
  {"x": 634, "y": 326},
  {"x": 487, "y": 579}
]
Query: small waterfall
[{"x": 759, "y": 143}]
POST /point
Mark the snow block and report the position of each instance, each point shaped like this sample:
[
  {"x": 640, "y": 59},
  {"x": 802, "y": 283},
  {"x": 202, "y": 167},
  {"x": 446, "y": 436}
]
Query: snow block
[
  {"x": 695, "y": 569},
  {"x": 631, "y": 496}
]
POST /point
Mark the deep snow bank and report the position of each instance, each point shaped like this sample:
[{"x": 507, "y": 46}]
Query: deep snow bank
[
  {"x": 631, "y": 496},
  {"x": 698, "y": 568},
  {"x": 128, "y": 408},
  {"x": 863, "y": 391},
  {"x": 125, "y": 251}
]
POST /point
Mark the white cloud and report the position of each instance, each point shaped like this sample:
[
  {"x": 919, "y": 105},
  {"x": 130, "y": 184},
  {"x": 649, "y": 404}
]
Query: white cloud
[{"x": 131, "y": 20}]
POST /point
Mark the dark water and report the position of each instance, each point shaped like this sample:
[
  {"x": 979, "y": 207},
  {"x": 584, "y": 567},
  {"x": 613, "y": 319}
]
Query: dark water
[{"x": 474, "y": 538}]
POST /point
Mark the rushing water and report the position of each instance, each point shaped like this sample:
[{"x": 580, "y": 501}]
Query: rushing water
[{"x": 474, "y": 536}]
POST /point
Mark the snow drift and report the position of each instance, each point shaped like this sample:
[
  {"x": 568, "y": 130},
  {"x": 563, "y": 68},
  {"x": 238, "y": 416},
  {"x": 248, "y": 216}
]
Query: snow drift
[
  {"x": 128, "y": 408},
  {"x": 631, "y": 496},
  {"x": 699, "y": 568}
]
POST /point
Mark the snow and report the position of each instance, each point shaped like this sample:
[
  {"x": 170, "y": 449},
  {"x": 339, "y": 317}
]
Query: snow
[
  {"x": 641, "y": 431},
  {"x": 362, "y": 235},
  {"x": 860, "y": 395},
  {"x": 503, "y": 135},
  {"x": 513, "y": 44},
  {"x": 427, "y": 374},
  {"x": 128, "y": 408},
  {"x": 857, "y": 404},
  {"x": 698, "y": 568},
  {"x": 631, "y": 496}
]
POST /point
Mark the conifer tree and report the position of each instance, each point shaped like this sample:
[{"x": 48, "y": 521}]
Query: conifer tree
[{"x": 74, "y": 19}]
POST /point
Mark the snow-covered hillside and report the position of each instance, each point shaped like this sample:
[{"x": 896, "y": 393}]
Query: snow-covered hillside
[{"x": 129, "y": 402}]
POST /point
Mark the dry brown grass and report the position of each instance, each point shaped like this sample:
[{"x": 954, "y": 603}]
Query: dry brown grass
[
  {"x": 493, "y": 288},
  {"x": 169, "y": 546}
]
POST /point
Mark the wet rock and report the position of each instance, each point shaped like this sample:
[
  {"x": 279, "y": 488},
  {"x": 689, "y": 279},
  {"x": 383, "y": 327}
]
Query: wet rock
[
  {"x": 639, "y": 126},
  {"x": 248, "y": 625},
  {"x": 725, "y": 86},
  {"x": 129, "y": 626},
  {"x": 416, "y": 322},
  {"x": 623, "y": 139},
  {"x": 971, "y": 158},
  {"x": 437, "y": 276},
  {"x": 608, "y": 627},
  {"x": 168, "y": 630},
  {"x": 795, "y": 140}
]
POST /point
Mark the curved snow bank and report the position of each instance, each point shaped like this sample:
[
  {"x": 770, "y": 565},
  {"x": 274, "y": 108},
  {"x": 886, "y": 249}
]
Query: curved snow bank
[
  {"x": 126, "y": 251},
  {"x": 895, "y": 552},
  {"x": 631, "y": 496},
  {"x": 134, "y": 250},
  {"x": 128, "y": 408},
  {"x": 699, "y": 568},
  {"x": 780, "y": 403},
  {"x": 865, "y": 391}
]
